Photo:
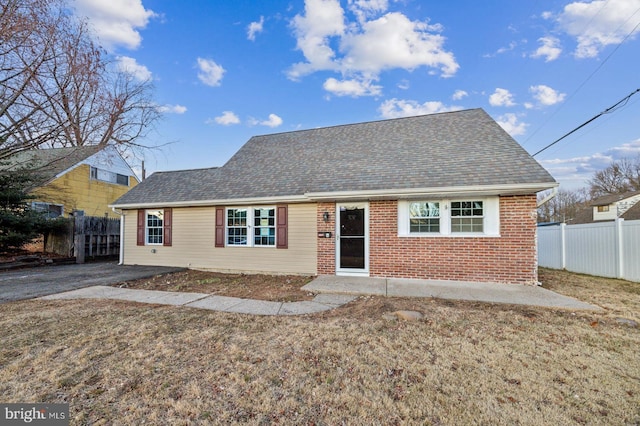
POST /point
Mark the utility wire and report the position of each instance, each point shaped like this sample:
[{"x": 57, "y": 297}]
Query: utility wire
[
  {"x": 594, "y": 71},
  {"x": 609, "y": 110}
]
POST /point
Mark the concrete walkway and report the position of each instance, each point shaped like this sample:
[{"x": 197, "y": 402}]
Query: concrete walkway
[
  {"x": 457, "y": 290},
  {"x": 322, "y": 302},
  {"x": 336, "y": 291}
]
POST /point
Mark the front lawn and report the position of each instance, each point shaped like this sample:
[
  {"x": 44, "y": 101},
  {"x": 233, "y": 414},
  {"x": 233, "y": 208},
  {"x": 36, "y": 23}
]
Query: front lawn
[{"x": 464, "y": 363}]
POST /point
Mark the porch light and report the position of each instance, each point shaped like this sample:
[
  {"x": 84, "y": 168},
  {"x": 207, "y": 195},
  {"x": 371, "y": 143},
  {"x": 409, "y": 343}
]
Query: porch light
[{"x": 325, "y": 216}]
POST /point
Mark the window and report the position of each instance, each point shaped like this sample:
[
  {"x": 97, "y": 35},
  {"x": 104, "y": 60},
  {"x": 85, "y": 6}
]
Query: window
[
  {"x": 237, "y": 229},
  {"x": 154, "y": 226},
  {"x": 603, "y": 209},
  {"x": 50, "y": 211},
  {"x": 251, "y": 227},
  {"x": 438, "y": 218},
  {"x": 467, "y": 216},
  {"x": 122, "y": 179},
  {"x": 424, "y": 217},
  {"x": 107, "y": 176},
  {"x": 264, "y": 221}
]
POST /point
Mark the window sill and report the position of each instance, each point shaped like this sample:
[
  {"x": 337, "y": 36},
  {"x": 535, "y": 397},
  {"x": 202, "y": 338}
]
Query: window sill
[{"x": 452, "y": 235}]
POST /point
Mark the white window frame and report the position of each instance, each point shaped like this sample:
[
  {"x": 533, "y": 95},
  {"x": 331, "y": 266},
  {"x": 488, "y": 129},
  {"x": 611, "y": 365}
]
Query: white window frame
[
  {"x": 102, "y": 175},
  {"x": 250, "y": 226},
  {"x": 147, "y": 227},
  {"x": 491, "y": 218}
]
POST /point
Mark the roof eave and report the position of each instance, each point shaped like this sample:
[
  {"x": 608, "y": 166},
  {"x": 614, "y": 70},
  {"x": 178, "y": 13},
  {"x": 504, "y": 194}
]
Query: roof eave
[
  {"x": 450, "y": 191},
  {"x": 382, "y": 194},
  {"x": 216, "y": 202}
]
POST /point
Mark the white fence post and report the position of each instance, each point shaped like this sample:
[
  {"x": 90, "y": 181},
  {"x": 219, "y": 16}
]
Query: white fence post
[
  {"x": 619, "y": 249},
  {"x": 563, "y": 245}
]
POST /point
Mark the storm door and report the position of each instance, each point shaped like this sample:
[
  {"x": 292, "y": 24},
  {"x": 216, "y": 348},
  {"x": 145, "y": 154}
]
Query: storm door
[{"x": 353, "y": 239}]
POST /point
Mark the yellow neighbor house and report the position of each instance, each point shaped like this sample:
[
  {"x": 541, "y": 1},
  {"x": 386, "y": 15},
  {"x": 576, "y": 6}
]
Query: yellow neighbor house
[{"x": 86, "y": 178}]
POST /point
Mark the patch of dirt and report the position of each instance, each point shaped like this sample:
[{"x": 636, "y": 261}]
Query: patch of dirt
[{"x": 277, "y": 288}]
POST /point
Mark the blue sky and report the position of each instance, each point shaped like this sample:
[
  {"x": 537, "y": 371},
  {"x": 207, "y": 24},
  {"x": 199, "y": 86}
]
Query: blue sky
[{"x": 227, "y": 70}]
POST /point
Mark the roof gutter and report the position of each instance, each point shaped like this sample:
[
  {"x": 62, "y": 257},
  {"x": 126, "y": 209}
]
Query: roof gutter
[
  {"x": 376, "y": 194},
  {"x": 449, "y": 191},
  {"x": 219, "y": 202}
]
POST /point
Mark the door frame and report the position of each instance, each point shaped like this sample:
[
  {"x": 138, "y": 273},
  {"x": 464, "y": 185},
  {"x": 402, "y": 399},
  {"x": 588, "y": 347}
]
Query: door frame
[{"x": 353, "y": 271}]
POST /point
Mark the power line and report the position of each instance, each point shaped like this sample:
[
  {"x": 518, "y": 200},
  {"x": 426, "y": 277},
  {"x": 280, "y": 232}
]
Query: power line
[
  {"x": 609, "y": 110},
  {"x": 600, "y": 65}
]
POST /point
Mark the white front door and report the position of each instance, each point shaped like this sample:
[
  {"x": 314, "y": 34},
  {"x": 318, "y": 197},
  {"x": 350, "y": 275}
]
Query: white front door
[{"x": 352, "y": 235}]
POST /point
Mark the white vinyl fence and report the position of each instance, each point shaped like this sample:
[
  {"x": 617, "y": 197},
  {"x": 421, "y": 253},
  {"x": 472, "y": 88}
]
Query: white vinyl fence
[{"x": 607, "y": 249}]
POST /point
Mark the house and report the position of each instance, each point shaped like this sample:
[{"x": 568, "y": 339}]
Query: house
[
  {"x": 85, "y": 178},
  {"x": 447, "y": 196},
  {"x": 610, "y": 207}
]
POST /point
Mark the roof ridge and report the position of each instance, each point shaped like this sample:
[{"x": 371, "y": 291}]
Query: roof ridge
[
  {"x": 187, "y": 170},
  {"x": 370, "y": 122}
]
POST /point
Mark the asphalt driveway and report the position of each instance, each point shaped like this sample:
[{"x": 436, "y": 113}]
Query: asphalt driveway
[{"x": 42, "y": 281}]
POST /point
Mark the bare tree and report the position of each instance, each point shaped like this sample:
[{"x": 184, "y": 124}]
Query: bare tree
[
  {"x": 58, "y": 88},
  {"x": 564, "y": 206},
  {"x": 619, "y": 177},
  {"x": 27, "y": 34}
]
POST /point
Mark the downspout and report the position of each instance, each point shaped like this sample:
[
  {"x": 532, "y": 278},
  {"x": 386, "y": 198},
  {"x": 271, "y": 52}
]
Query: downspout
[
  {"x": 542, "y": 202},
  {"x": 121, "y": 253}
]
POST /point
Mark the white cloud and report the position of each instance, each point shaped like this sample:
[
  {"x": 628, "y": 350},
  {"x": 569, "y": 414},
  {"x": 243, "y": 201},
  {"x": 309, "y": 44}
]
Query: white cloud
[
  {"x": 322, "y": 19},
  {"x": 511, "y": 124},
  {"x": 459, "y": 94},
  {"x": 598, "y": 24},
  {"x": 360, "y": 50},
  {"x": 273, "y": 121},
  {"x": 549, "y": 50},
  {"x": 210, "y": 72},
  {"x": 131, "y": 66},
  {"x": 575, "y": 171},
  {"x": 404, "y": 84},
  {"x": 352, "y": 88},
  {"x": 367, "y": 8},
  {"x": 255, "y": 28},
  {"x": 394, "y": 41},
  {"x": 545, "y": 95},
  {"x": 512, "y": 45},
  {"x": 226, "y": 119},
  {"x": 396, "y": 108},
  {"x": 115, "y": 22},
  {"x": 172, "y": 109},
  {"x": 501, "y": 97}
]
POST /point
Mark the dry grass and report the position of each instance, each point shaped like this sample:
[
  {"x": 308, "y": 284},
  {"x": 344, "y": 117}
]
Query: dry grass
[
  {"x": 465, "y": 363},
  {"x": 279, "y": 288}
]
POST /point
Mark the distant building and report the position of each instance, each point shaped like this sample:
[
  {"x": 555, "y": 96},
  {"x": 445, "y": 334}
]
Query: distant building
[
  {"x": 610, "y": 207},
  {"x": 86, "y": 178}
]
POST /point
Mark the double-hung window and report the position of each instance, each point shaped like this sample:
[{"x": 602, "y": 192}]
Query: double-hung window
[
  {"x": 154, "y": 226},
  {"x": 237, "y": 227},
  {"x": 424, "y": 216},
  {"x": 264, "y": 226},
  {"x": 467, "y": 216},
  {"x": 252, "y": 227},
  {"x": 435, "y": 218}
]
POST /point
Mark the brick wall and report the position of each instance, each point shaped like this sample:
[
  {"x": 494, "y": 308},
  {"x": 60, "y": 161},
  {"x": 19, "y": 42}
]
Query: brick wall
[
  {"x": 326, "y": 246},
  {"x": 510, "y": 258}
]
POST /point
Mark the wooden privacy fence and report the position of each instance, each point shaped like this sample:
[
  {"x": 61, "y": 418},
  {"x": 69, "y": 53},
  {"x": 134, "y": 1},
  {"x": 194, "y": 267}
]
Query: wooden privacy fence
[
  {"x": 86, "y": 237},
  {"x": 95, "y": 237},
  {"x": 605, "y": 249}
]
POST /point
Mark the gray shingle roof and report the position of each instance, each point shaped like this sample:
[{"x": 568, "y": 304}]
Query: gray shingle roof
[
  {"x": 47, "y": 163},
  {"x": 605, "y": 200},
  {"x": 463, "y": 148}
]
